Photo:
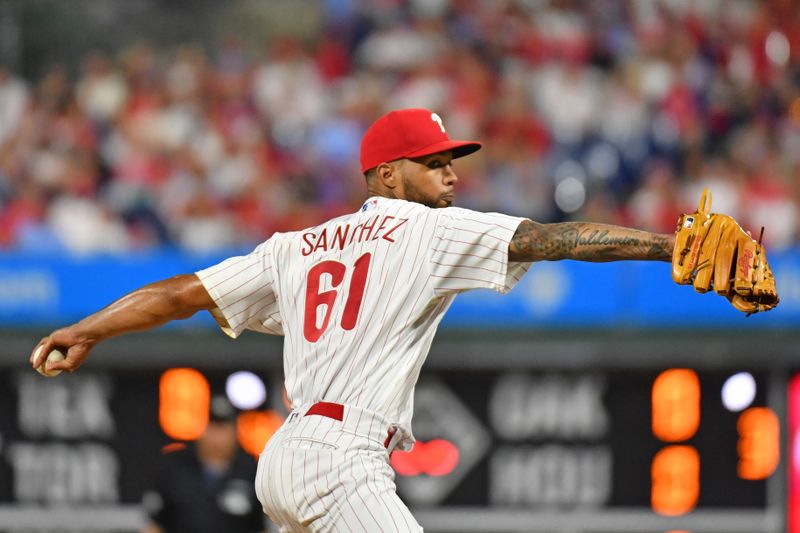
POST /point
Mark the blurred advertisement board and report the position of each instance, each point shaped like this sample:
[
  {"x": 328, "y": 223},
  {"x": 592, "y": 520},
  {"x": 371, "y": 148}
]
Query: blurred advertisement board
[
  {"x": 42, "y": 291},
  {"x": 595, "y": 444}
]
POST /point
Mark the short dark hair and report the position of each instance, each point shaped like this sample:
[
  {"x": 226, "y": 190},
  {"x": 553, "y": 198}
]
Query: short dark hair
[{"x": 371, "y": 173}]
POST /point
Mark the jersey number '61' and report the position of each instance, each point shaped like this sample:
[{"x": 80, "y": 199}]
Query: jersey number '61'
[{"x": 315, "y": 298}]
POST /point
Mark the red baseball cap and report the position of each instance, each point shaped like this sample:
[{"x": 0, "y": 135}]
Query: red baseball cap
[{"x": 408, "y": 133}]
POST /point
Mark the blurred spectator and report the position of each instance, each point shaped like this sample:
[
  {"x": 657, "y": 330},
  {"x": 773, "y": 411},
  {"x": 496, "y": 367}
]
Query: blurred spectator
[
  {"x": 207, "y": 486},
  {"x": 13, "y": 103},
  {"x": 610, "y": 109},
  {"x": 289, "y": 92},
  {"x": 101, "y": 92}
]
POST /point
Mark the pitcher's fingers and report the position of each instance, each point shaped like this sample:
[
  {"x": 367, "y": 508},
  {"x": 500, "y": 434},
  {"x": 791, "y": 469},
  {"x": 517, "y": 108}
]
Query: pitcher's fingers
[
  {"x": 64, "y": 364},
  {"x": 75, "y": 357},
  {"x": 40, "y": 352}
]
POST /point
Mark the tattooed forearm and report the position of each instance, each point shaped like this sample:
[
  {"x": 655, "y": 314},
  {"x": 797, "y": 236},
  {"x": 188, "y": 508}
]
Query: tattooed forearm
[{"x": 587, "y": 241}]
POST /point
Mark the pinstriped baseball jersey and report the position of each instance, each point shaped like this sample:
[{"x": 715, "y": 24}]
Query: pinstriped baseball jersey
[{"x": 359, "y": 297}]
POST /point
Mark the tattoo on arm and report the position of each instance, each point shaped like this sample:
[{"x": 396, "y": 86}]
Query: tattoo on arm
[{"x": 586, "y": 241}]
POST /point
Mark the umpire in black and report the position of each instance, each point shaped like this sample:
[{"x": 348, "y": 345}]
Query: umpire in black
[{"x": 207, "y": 487}]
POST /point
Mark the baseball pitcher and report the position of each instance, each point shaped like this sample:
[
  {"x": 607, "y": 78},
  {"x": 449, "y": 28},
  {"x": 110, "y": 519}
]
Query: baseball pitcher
[{"x": 358, "y": 300}]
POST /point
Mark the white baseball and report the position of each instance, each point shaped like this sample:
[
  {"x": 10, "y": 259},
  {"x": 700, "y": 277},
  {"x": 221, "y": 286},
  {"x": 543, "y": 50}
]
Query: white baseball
[{"x": 53, "y": 357}]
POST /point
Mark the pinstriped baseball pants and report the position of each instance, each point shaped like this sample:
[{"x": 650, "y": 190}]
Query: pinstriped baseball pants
[{"x": 317, "y": 474}]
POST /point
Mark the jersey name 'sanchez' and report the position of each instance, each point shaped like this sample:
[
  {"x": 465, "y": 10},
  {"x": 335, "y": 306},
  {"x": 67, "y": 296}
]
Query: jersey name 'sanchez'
[{"x": 314, "y": 242}]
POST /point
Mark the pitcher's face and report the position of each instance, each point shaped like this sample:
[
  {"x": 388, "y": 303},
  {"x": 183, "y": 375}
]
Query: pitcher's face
[{"x": 429, "y": 180}]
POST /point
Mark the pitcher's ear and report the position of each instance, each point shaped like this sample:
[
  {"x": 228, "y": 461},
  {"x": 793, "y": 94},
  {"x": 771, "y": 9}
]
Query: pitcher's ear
[{"x": 387, "y": 174}]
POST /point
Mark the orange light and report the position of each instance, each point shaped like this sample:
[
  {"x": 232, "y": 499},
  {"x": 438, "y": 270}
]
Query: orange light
[
  {"x": 676, "y": 405},
  {"x": 794, "y": 110},
  {"x": 759, "y": 443},
  {"x": 254, "y": 429},
  {"x": 173, "y": 447},
  {"x": 675, "y": 480},
  {"x": 183, "y": 403}
]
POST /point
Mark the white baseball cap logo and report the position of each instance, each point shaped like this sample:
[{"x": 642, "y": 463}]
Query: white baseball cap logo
[{"x": 437, "y": 119}]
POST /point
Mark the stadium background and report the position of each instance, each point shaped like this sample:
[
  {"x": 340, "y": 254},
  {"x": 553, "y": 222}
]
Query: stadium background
[{"x": 145, "y": 138}]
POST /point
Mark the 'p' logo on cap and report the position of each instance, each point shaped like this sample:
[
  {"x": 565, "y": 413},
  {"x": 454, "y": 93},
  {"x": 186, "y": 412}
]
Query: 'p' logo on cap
[{"x": 437, "y": 119}]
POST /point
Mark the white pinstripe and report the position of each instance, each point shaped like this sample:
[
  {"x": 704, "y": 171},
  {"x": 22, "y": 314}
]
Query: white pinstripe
[{"x": 420, "y": 259}]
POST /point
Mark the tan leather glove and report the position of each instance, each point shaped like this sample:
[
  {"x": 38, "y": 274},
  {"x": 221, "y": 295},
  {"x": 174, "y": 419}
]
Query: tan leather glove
[{"x": 712, "y": 250}]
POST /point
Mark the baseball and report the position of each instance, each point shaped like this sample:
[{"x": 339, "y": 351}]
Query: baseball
[{"x": 54, "y": 356}]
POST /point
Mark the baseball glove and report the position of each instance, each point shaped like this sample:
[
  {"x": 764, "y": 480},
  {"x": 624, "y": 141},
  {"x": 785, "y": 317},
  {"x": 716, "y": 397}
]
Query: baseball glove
[{"x": 713, "y": 251}]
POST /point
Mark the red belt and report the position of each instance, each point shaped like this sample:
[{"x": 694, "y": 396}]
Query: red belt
[{"x": 336, "y": 412}]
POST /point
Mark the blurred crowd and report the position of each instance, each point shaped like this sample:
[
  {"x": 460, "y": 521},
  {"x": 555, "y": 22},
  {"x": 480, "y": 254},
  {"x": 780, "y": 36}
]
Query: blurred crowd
[{"x": 611, "y": 110}]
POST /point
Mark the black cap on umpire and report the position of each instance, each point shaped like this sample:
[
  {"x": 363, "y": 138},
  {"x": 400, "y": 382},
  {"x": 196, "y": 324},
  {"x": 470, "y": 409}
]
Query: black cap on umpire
[{"x": 221, "y": 410}]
